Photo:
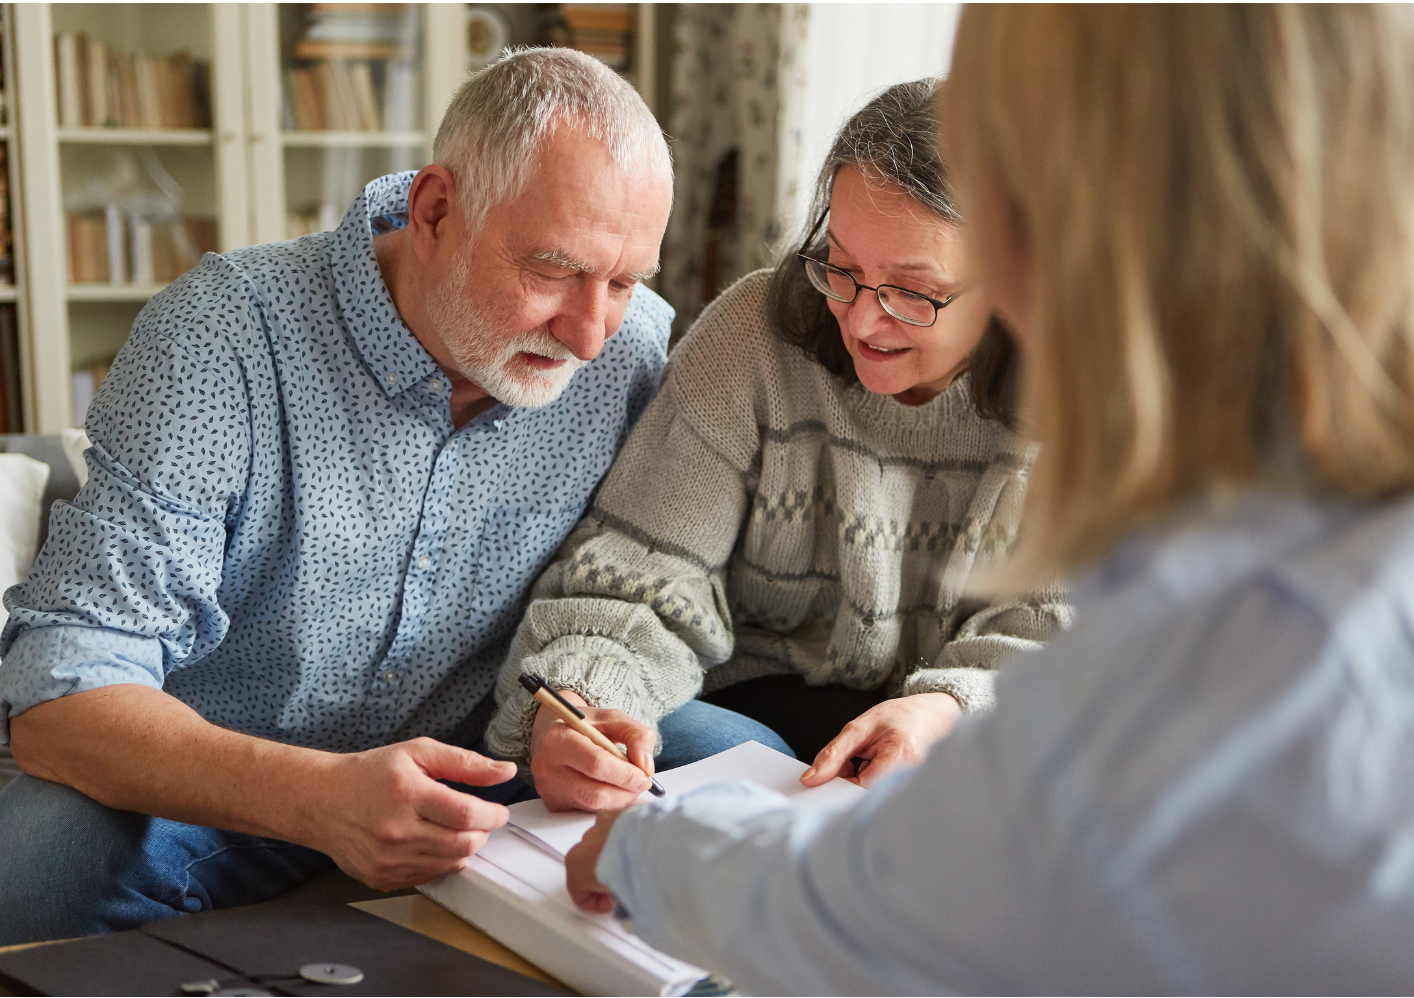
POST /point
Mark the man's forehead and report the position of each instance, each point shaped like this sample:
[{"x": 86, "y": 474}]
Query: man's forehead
[{"x": 559, "y": 257}]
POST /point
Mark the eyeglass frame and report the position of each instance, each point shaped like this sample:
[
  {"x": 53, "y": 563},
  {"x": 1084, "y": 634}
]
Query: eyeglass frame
[{"x": 938, "y": 306}]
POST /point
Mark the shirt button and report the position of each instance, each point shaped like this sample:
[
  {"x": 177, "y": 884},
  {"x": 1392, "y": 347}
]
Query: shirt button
[
  {"x": 435, "y": 384},
  {"x": 424, "y": 562},
  {"x": 391, "y": 676},
  {"x": 392, "y": 378}
]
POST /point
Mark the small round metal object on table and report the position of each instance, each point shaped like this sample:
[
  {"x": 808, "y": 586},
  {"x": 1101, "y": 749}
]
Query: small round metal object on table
[{"x": 331, "y": 973}]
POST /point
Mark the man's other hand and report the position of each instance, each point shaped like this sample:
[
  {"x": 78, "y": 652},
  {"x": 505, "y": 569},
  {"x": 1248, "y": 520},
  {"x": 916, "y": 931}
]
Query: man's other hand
[
  {"x": 387, "y": 821},
  {"x": 572, "y": 773}
]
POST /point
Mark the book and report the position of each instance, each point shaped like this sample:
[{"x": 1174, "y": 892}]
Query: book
[
  {"x": 400, "y": 97},
  {"x": 513, "y": 888},
  {"x": 66, "y": 65}
]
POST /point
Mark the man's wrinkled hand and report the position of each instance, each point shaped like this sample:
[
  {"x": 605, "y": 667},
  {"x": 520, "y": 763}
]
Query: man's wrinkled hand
[
  {"x": 584, "y": 886},
  {"x": 889, "y": 735},
  {"x": 387, "y": 822},
  {"x": 572, "y": 773}
]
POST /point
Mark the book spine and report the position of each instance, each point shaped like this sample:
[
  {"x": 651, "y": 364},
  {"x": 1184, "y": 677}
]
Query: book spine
[
  {"x": 148, "y": 99},
  {"x": 113, "y": 230},
  {"x": 66, "y": 46},
  {"x": 140, "y": 232},
  {"x": 96, "y": 79}
]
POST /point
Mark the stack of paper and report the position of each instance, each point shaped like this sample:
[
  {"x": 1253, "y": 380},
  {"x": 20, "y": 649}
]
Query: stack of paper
[{"x": 514, "y": 887}]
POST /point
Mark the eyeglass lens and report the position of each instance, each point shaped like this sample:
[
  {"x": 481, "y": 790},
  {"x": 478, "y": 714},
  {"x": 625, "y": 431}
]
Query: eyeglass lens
[{"x": 900, "y": 304}]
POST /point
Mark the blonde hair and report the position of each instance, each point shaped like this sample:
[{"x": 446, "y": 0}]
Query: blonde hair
[{"x": 1217, "y": 205}]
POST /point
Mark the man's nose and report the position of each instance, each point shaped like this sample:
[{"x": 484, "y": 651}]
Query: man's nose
[{"x": 581, "y": 325}]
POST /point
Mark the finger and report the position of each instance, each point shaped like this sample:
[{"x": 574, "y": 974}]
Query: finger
[
  {"x": 447, "y": 762},
  {"x": 571, "y": 792},
  {"x": 434, "y": 844},
  {"x": 580, "y": 754},
  {"x": 637, "y": 740},
  {"x": 458, "y": 811},
  {"x": 835, "y": 758},
  {"x": 889, "y": 758}
]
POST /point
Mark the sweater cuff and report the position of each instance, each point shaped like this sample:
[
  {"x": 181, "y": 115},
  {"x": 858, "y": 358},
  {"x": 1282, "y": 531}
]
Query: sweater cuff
[
  {"x": 974, "y": 689},
  {"x": 599, "y": 670}
]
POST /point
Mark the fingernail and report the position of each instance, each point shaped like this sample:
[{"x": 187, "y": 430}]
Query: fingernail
[{"x": 808, "y": 773}]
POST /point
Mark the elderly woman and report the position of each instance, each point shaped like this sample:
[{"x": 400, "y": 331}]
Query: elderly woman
[
  {"x": 791, "y": 529},
  {"x": 1201, "y": 223}
]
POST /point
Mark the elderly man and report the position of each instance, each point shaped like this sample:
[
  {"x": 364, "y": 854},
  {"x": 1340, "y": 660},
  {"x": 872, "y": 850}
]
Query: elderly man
[{"x": 261, "y": 640}]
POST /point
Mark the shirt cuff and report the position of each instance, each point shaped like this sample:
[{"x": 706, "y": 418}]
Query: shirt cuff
[
  {"x": 650, "y": 845},
  {"x": 46, "y": 663}
]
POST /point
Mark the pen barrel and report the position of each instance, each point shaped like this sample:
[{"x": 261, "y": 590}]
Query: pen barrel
[{"x": 582, "y": 726}]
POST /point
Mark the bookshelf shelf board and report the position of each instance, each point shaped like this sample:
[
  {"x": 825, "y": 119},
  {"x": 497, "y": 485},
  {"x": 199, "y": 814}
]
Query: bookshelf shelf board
[
  {"x": 111, "y": 292},
  {"x": 353, "y": 140},
  {"x": 8, "y": 293},
  {"x": 137, "y": 136}
]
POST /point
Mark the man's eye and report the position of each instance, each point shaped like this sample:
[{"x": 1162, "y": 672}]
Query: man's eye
[{"x": 619, "y": 287}]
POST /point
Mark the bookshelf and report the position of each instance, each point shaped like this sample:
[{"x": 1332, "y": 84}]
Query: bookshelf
[{"x": 136, "y": 135}]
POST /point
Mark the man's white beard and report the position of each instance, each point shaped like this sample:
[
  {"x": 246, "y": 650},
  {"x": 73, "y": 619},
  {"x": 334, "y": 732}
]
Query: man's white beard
[{"x": 492, "y": 362}]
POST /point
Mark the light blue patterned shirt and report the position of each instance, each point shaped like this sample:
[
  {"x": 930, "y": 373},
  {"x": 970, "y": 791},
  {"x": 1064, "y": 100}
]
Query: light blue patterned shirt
[
  {"x": 1206, "y": 787},
  {"x": 281, "y": 526}
]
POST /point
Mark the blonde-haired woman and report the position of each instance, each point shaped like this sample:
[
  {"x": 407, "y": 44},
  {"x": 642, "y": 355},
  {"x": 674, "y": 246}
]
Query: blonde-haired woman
[{"x": 1201, "y": 223}]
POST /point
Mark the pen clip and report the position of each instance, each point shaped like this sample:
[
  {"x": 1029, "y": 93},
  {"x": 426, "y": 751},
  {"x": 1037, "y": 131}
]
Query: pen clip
[{"x": 535, "y": 684}]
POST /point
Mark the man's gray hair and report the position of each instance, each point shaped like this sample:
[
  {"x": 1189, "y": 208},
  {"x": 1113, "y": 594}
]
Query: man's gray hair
[{"x": 500, "y": 119}]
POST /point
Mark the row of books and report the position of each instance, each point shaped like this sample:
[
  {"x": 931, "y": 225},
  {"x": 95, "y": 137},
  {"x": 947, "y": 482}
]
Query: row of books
[
  {"x": 98, "y": 87},
  {"x": 351, "y": 95},
  {"x": 603, "y": 30},
  {"x": 114, "y": 247}
]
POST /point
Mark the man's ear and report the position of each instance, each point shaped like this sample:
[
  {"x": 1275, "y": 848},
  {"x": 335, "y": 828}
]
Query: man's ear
[{"x": 434, "y": 212}]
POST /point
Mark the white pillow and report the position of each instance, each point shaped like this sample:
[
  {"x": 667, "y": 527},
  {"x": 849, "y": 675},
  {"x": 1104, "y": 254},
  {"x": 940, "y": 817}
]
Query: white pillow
[
  {"x": 22, "y": 481},
  {"x": 75, "y": 442}
]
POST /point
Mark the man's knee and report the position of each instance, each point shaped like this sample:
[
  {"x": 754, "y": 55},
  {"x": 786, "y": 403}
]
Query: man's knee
[
  {"x": 699, "y": 729},
  {"x": 62, "y": 852}
]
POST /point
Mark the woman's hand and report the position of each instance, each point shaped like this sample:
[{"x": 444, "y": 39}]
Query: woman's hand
[
  {"x": 584, "y": 886},
  {"x": 888, "y": 735},
  {"x": 572, "y": 773}
]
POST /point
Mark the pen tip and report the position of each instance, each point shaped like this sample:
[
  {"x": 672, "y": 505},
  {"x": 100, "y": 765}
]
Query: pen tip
[
  {"x": 530, "y": 682},
  {"x": 656, "y": 789}
]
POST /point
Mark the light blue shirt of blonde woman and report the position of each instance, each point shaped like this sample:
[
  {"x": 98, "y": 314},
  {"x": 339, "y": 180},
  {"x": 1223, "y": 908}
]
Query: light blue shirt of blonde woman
[{"x": 1207, "y": 786}]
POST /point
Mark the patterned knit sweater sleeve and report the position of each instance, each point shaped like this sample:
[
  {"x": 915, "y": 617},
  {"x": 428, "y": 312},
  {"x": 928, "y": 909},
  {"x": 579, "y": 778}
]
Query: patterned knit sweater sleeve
[
  {"x": 633, "y": 609},
  {"x": 991, "y": 631}
]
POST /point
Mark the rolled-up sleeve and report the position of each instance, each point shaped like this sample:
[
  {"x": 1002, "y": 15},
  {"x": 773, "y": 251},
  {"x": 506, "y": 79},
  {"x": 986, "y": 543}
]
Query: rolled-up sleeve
[{"x": 126, "y": 587}]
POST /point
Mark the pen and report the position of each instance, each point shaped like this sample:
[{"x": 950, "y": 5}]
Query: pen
[{"x": 572, "y": 716}]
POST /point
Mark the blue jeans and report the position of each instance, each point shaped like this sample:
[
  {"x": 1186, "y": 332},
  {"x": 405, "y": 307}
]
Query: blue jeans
[{"x": 71, "y": 867}]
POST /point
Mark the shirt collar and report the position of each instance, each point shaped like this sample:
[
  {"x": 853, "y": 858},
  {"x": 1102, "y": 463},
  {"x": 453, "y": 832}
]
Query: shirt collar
[{"x": 389, "y": 348}]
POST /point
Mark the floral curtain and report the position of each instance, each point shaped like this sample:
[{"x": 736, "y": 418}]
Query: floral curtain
[{"x": 733, "y": 118}]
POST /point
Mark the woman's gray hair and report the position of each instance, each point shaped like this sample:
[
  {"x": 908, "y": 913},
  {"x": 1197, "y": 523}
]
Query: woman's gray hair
[
  {"x": 501, "y": 118},
  {"x": 893, "y": 142}
]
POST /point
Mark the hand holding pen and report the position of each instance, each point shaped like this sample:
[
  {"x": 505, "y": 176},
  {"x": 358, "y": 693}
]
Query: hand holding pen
[{"x": 585, "y": 758}]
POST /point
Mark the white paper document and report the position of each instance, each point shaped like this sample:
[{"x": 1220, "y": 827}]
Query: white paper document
[
  {"x": 513, "y": 889},
  {"x": 751, "y": 761}
]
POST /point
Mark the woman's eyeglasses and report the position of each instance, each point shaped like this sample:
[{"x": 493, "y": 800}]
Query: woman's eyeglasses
[{"x": 904, "y": 305}]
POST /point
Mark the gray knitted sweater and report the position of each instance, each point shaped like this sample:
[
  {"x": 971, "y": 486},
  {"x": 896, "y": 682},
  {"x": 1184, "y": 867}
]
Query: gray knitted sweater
[{"x": 764, "y": 518}]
